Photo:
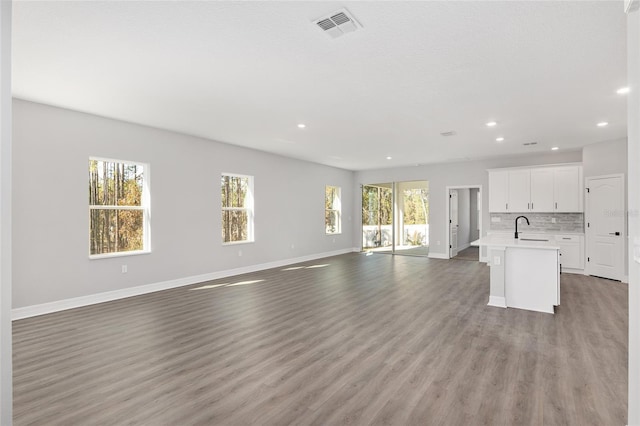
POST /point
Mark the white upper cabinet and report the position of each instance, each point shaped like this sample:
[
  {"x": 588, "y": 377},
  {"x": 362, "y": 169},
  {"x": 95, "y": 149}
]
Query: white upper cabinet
[
  {"x": 568, "y": 189},
  {"x": 519, "y": 190},
  {"x": 542, "y": 190},
  {"x": 498, "y": 188}
]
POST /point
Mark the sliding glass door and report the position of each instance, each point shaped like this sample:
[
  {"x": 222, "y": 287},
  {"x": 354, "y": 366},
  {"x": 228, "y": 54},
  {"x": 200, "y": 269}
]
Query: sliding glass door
[
  {"x": 395, "y": 218},
  {"x": 377, "y": 217}
]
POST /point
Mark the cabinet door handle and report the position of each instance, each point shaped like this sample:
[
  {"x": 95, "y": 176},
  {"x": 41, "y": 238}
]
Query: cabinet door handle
[
  {"x": 566, "y": 238},
  {"x": 531, "y": 206},
  {"x": 506, "y": 206},
  {"x": 528, "y": 208},
  {"x": 556, "y": 205}
]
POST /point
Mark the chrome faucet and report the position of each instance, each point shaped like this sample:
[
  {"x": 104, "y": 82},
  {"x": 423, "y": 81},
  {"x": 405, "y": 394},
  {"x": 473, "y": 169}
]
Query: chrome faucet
[{"x": 524, "y": 217}]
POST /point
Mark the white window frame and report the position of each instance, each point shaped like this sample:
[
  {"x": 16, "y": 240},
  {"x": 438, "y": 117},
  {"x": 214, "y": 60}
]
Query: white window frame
[
  {"x": 338, "y": 210},
  {"x": 145, "y": 207},
  {"x": 249, "y": 208}
]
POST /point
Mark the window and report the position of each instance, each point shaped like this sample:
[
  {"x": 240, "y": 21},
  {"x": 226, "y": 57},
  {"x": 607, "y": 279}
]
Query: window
[
  {"x": 332, "y": 221},
  {"x": 118, "y": 208},
  {"x": 237, "y": 208}
]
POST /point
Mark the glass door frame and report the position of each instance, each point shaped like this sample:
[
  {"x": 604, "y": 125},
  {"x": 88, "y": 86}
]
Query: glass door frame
[{"x": 395, "y": 219}]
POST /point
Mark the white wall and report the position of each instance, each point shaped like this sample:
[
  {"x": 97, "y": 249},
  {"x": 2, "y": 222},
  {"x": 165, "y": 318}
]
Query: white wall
[
  {"x": 464, "y": 218},
  {"x": 633, "y": 133},
  {"x": 5, "y": 215},
  {"x": 605, "y": 158},
  {"x": 465, "y": 173},
  {"x": 51, "y": 221}
]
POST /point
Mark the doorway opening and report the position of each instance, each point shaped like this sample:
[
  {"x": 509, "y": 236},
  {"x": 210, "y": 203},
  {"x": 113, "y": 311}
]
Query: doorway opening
[
  {"x": 395, "y": 218},
  {"x": 464, "y": 212}
]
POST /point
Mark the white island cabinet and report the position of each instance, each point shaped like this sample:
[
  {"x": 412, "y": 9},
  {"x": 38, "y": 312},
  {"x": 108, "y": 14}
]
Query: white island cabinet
[{"x": 525, "y": 274}]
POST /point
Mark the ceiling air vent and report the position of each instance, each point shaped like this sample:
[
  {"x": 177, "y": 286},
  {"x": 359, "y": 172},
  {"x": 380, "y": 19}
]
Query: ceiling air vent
[
  {"x": 530, "y": 143},
  {"x": 337, "y": 23},
  {"x": 449, "y": 133}
]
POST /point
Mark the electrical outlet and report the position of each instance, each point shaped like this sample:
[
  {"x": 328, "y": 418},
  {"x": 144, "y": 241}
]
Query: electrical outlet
[
  {"x": 553, "y": 220},
  {"x": 495, "y": 219},
  {"x": 496, "y": 260},
  {"x": 124, "y": 269},
  {"x": 239, "y": 252}
]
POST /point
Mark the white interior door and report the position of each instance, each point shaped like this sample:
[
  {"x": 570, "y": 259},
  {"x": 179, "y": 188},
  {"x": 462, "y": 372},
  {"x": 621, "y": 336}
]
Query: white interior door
[
  {"x": 453, "y": 223},
  {"x": 605, "y": 227}
]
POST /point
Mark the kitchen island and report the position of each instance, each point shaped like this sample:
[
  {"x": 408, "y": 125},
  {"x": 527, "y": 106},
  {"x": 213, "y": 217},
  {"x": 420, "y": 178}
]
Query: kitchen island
[{"x": 525, "y": 273}]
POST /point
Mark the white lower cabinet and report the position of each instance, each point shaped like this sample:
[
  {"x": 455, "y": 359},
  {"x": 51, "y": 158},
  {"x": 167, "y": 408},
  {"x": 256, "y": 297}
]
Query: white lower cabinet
[
  {"x": 571, "y": 251},
  {"x": 572, "y": 256}
]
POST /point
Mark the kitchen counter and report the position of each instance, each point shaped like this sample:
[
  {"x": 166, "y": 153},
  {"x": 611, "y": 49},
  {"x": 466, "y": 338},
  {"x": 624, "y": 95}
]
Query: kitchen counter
[
  {"x": 507, "y": 240},
  {"x": 524, "y": 274},
  {"x": 527, "y": 231}
]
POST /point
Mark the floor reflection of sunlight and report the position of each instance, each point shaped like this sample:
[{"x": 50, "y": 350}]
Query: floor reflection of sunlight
[
  {"x": 295, "y": 268},
  {"x": 245, "y": 283},
  {"x": 292, "y": 268},
  {"x": 204, "y": 287},
  {"x": 208, "y": 286}
]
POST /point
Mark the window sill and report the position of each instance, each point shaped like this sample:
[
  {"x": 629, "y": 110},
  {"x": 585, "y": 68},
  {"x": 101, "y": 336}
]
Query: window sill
[
  {"x": 120, "y": 254},
  {"x": 235, "y": 243}
]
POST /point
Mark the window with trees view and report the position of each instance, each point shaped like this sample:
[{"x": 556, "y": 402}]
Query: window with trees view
[
  {"x": 332, "y": 208},
  {"x": 237, "y": 208},
  {"x": 118, "y": 207}
]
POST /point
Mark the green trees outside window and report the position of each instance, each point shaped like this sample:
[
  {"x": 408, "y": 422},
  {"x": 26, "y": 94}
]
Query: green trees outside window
[
  {"x": 332, "y": 210},
  {"x": 117, "y": 207},
  {"x": 237, "y": 208}
]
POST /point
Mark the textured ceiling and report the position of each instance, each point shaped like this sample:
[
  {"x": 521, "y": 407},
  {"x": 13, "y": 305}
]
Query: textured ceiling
[{"x": 247, "y": 73}]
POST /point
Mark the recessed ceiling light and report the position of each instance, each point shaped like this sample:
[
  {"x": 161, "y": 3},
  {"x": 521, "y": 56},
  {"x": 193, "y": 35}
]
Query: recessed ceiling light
[
  {"x": 555, "y": 148},
  {"x": 603, "y": 124},
  {"x": 302, "y": 126},
  {"x": 491, "y": 123},
  {"x": 622, "y": 91},
  {"x": 388, "y": 158},
  {"x": 500, "y": 139}
]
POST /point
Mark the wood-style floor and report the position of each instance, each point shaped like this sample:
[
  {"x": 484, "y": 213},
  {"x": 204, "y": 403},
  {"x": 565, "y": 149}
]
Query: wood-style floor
[
  {"x": 470, "y": 253},
  {"x": 352, "y": 339}
]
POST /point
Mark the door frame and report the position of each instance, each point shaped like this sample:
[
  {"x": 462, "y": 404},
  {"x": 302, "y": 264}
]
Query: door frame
[
  {"x": 622, "y": 273},
  {"x": 446, "y": 218},
  {"x": 393, "y": 215},
  {"x": 450, "y": 218}
]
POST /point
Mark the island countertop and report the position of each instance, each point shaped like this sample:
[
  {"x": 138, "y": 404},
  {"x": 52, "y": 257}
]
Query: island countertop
[{"x": 509, "y": 241}]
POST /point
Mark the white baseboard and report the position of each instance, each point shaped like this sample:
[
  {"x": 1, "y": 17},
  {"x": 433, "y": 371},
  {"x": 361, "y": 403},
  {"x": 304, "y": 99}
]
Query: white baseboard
[
  {"x": 625, "y": 279},
  {"x": 438, "y": 256},
  {"x": 498, "y": 302},
  {"x": 77, "y": 302}
]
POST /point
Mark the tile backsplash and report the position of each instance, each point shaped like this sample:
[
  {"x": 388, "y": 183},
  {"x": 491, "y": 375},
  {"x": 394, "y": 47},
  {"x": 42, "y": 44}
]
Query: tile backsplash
[{"x": 539, "y": 222}]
